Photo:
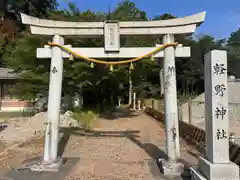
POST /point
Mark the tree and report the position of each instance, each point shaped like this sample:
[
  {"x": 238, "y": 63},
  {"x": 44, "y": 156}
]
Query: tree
[
  {"x": 190, "y": 72},
  {"x": 3, "y": 8},
  {"x": 234, "y": 39},
  {"x": 38, "y": 8},
  {"x": 233, "y": 45},
  {"x": 165, "y": 16},
  {"x": 99, "y": 86},
  {"x": 10, "y": 25},
  {"x": 33, "y": 72},
  {"x": 127, "y": 11}
]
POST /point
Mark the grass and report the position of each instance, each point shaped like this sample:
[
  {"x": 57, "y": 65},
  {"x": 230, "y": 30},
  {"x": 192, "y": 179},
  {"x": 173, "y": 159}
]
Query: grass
[
  {"x": 85, "y": 119},
  {"x": 124, "y": 105},
  {"x": 159, "y": 103},
  {"x": 4, "y": 116}
]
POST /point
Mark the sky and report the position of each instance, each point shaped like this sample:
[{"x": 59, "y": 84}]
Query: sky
[{"x": 223, "y": 16}]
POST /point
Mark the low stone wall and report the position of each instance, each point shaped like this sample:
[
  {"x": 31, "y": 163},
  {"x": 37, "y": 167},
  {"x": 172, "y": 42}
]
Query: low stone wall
[
  {"x": 11, "y": 105},
  {"x": 195, "y": 136}
]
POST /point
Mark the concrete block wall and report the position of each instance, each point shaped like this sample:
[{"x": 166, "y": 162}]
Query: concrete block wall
[{"x": 193, "y": 112}]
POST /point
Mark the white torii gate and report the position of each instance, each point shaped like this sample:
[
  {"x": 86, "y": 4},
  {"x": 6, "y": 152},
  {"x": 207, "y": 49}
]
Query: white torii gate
[{"x": 111, "y": 31}]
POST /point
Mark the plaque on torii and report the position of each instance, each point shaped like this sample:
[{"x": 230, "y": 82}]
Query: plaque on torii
[{"x": 111, "y": 36}]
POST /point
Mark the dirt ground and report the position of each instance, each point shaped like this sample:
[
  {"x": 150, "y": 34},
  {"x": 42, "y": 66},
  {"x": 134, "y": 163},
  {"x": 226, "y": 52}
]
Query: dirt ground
[
  {"x": 123, "y": 148},
  {"x": 12, "y": 157}
]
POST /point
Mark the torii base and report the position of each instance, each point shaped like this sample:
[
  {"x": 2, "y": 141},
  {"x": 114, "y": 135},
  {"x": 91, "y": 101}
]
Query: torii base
[
  {"x": 47, "y": 166},
  {"x": 170, "y": 168},
  {"x": 24, "y": 172}
]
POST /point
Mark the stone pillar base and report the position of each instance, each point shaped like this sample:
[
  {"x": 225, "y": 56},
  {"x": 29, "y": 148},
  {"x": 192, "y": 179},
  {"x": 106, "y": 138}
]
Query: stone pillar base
[
  {"x": 46, "y": 166},
  {"x": 170, "y": 168},
  {"x": 210, "y": 171}
]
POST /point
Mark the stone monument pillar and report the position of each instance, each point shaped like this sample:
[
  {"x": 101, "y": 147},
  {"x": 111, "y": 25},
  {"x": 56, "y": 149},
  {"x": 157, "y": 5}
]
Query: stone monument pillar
[
  {"x": 161, "y": 81},
  {"x": 139, "y": 105},
  {"x": 153, "y": 104},
  {"x": 134, "y": 101},
  {"x": 216, "y": 164},
  {"x": 119, "y": 102}
]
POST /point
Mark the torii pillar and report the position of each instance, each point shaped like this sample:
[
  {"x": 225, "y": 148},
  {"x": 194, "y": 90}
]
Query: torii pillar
[{"x": 170, "y": 110}]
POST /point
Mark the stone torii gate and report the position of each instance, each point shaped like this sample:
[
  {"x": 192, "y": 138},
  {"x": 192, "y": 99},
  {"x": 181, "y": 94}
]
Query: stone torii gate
[{"x": 111, "y": 31}]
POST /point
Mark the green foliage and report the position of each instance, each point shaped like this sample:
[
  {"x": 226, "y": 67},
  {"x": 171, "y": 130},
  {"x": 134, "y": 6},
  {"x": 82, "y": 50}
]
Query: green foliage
[
  {"x": 21, "y": 56},
  {"x": 9, "y": 115},
  {"x": 164, "y": 17},
  {"x": 234, "y": 39},
  {"x": 37, "y": 8},
  {"x": 234, "y": 53},
  {"x": 127, "y": 11},
  {"x": 85, "y": 119},
  {"x": 99, "y": 87}
]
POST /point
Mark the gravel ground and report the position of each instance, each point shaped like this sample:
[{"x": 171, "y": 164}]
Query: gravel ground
[
  {"x": 105, "y": 157},
  {"x": 27, "y": 128},
  {"x": 13, "y": 157},
  {"x": 116, "y": 149},
  {"x": 22, "y": 129}
]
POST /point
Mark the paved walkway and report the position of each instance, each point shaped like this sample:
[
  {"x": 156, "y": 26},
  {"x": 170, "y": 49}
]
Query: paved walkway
[{"x": 124, "y": 148}]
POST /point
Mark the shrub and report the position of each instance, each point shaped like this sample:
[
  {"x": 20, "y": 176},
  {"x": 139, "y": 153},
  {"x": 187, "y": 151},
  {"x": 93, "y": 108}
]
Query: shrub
[{"x": 85, "y": 119}]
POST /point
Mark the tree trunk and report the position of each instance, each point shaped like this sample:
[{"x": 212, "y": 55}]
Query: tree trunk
[
  {"x": 3, "y": 8},
  {"x": 130, "y": 89}
]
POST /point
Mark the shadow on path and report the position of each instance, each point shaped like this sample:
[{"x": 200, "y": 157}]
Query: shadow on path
[
  {"x": 155, "y": 153},
  {"x": 111, "y": 115},
  {"x": 94, "y": 133},
  {"x": 152, "y": 150},
  {"x": 67, "y": 132},
  {"x": 118, "y": 113},
  {"x": 196, "y": 155}
]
